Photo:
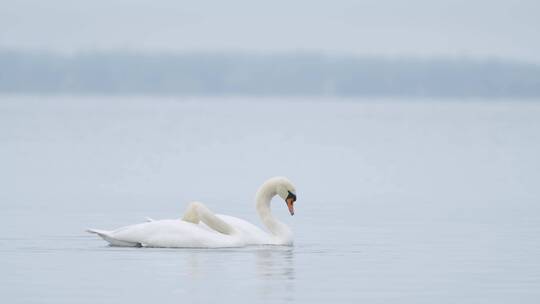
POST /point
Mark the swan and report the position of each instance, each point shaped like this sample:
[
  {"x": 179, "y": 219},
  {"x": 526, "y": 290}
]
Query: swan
[{"x": 201, "y": 228}]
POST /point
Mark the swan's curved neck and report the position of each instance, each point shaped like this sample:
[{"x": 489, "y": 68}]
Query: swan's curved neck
[{"x": 263, "y": 199}]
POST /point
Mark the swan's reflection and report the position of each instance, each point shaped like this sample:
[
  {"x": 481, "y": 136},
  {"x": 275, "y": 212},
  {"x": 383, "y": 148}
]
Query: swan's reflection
[
  {"x": 275, "y": 262},
  {"x": 272, "y": 277},
  {"x": 276, "y": 271}
]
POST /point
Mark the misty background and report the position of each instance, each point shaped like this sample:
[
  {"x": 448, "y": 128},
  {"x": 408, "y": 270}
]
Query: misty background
[
  {"x": 349, "y": 48},
  {"x": 264, "y": 75}
]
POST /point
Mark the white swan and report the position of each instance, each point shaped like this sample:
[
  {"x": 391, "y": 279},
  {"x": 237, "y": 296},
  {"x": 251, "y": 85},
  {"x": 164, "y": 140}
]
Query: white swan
[{"x": 201, "y": 228}]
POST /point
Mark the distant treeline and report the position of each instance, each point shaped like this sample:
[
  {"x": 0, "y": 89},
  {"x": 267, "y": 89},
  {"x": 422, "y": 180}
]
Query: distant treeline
[{"x": 263, "y": 75}]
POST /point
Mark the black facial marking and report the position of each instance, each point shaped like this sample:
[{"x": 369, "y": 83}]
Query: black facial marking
[{"x": 291, "y": 195}]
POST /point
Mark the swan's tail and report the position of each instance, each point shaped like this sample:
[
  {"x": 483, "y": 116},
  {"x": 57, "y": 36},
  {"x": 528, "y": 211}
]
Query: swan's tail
[
  {"x": 97, "y": 231},
  {"x": 106, "y": 235}
]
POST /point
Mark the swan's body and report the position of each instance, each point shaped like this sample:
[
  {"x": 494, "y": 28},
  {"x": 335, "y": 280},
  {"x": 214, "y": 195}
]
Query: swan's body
[{"x": 201, "y": 228}]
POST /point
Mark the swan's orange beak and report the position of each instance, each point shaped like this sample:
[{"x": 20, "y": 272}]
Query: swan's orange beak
[{"x": 290, "y": 204}]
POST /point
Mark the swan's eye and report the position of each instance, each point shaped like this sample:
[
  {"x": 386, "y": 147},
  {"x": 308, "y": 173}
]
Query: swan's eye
[{"x": 291, "y": 196}]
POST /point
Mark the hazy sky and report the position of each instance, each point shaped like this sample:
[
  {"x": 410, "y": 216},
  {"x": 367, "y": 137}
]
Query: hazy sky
[{"x": 493, "y": 28}]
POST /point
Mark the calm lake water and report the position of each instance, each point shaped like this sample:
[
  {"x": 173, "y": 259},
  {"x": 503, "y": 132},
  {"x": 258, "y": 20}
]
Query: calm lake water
[{"x": 399, "y": 201}]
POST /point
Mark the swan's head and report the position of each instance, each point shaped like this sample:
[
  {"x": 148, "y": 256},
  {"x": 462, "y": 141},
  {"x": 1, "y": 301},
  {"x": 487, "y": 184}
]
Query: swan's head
[{"x": 286, "y": 190}]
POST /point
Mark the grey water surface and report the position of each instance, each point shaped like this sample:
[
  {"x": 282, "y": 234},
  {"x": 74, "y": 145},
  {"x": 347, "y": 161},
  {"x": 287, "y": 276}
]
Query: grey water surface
[{"x": 399, "y": 201}]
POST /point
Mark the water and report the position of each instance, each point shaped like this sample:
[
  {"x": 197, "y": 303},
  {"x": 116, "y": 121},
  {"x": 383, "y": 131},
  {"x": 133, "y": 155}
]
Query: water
[{"x": 398, "y": 201}]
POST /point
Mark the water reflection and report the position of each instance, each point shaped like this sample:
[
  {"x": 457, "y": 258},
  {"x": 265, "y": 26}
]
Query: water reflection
[
  {"x": 276, "y": 273},
  {"x": 193, "y": 269},
  {"x": 275, "y": 262},
  {"x": 264, "y": 273}
]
